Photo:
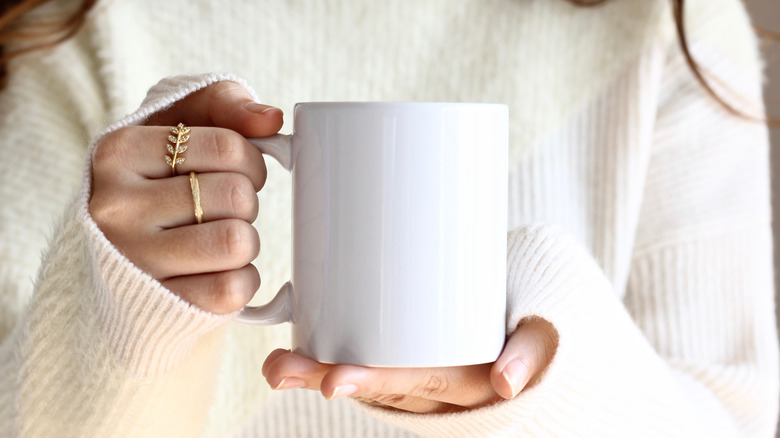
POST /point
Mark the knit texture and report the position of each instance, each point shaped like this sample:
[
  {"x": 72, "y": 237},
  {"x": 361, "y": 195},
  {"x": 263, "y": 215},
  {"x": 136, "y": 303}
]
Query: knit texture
[{"x": 639, "y": 216}]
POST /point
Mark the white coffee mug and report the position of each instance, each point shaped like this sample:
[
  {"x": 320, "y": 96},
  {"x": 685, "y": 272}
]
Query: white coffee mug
[{"x": 399, "y": 233}]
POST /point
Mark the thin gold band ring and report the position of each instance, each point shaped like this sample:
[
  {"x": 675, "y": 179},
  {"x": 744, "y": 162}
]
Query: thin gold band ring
[{"x": 195, "y": 186}]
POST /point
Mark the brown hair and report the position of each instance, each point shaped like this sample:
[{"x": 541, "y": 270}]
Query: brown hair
[
  {"x": 678, "y": 12},
  {"x": 42, "y": 35},
  {"x": 36, "y": 35}
]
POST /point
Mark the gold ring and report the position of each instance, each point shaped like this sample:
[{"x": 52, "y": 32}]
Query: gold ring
[
  {"x": 196, "y": 197},
  {"x": 179, "y": 136}
]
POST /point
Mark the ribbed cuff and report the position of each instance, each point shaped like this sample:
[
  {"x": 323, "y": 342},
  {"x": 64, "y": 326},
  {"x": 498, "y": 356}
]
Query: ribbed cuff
[{"x": 147, "y": 327}]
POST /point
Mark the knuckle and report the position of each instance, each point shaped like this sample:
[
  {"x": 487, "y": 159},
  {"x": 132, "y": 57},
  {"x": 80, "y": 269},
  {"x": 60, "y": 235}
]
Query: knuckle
[
  {"x": 110, "y": 211},
  {"x": 116, "y": 223},
  {"x": 229, "y": 291},
  {"x": 102, "y": 210},
  {"x": 242, "y": 197},
  {"x": 241, "y": 243},
  {"x": 263, "y": 174},
  {"x": 220, "y": 88},
  {"x": 227, "y": 148},
  {"x": 222, "y": 92},
  {"x": 111, "y": 147},
  {"x": 436, "y": 384}
]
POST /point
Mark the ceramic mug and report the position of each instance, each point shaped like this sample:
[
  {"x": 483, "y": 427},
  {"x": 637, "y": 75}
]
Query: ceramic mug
[{"x": 399, "y": 233}]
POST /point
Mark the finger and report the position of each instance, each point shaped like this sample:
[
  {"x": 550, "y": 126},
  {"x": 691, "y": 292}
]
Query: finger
[
  {"x": 219, "y": 292},
  {"x": 466, "y": 386},
  {"x": 225, "y": 195},
  {"x": 142, "y": 151},
  {"x": 286, "y": 370},
  {"x": 411, "y": 404},
  {"x": 216, "y": 246},
  {"x": 226, "y": 105},
  {"x": 272, "y": 358},
  {"x": 527, "y": 353}
]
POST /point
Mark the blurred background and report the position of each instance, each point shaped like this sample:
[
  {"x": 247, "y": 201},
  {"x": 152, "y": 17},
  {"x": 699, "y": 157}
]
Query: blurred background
[{"x": 766, "y": 14}]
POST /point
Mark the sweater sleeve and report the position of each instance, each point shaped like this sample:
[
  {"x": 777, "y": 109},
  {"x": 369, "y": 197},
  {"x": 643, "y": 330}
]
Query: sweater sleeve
[
  {"x": 689, "y": 348},
  {"x": 103, "y": 349}
]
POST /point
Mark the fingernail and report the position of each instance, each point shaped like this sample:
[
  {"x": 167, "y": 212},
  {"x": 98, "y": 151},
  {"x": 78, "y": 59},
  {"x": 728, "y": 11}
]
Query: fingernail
[
  {"x": 259, "y": 108},
  {"x": 516, "y": 375},
  {"x": 290, "y": 383},
  {"x": 343, "y": 391}
]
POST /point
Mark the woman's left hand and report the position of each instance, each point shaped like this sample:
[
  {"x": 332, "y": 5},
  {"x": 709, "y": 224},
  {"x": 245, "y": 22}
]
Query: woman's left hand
[{"x": 526, "y": 355}]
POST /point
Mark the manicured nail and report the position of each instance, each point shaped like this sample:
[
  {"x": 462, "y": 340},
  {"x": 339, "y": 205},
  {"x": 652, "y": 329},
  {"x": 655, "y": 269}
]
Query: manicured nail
[
  {"x": 516, "y": 375},
  {"x": 343, "y": 391},
  {"x": 290, "y": 383},
  {"x": 260, "y": 108}
]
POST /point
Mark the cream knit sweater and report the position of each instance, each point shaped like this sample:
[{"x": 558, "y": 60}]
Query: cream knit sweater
[{"x": 639, "y": 216}]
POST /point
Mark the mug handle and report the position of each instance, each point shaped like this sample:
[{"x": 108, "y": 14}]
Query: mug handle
[{"x": 278, "y": 309}]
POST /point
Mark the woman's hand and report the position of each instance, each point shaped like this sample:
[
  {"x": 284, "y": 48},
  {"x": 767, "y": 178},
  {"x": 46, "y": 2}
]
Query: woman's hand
[
  {"x": 425, "y": 390},
  {"x": 148, "y": 213}
]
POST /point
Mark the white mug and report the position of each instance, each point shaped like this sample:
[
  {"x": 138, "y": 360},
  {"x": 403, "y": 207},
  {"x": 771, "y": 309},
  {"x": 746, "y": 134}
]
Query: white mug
[{"x": 399, "y": 233}]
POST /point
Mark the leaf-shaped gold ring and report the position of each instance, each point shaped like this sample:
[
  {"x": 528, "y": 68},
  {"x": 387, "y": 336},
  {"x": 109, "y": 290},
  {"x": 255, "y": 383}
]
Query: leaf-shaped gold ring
[{"x": 176, "y": 147}]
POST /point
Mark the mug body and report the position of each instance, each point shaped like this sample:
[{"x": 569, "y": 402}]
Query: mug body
[{"x": 399, "y": 233}]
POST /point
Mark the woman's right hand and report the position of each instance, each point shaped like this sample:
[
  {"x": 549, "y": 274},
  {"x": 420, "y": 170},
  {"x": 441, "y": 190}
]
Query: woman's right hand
[{"x": 148, "y": 213}]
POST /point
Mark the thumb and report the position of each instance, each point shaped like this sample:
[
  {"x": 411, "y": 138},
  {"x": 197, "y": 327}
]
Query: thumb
[
  {"x": 527, "y": 354},
  {"x": 224, "y": 105}
]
